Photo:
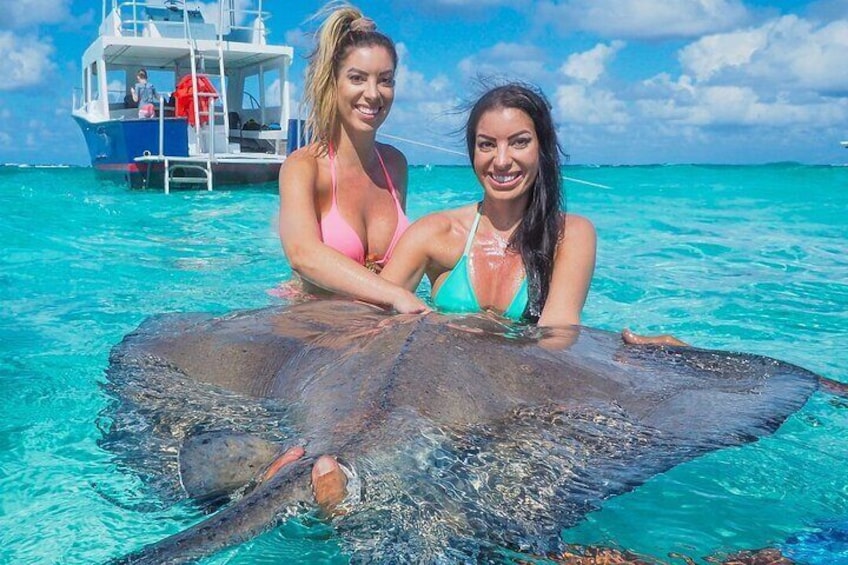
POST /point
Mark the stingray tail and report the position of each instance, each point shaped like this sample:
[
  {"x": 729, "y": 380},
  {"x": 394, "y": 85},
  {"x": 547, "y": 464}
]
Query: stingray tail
[{"x": 255, "y": 513}]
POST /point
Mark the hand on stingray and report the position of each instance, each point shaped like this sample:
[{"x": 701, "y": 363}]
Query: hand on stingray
[
  {"x": 329, "y": 482},
  {"x": 559, "y": 338},
  {"x": 631, "y": 338},
  {"x": 290, "y": 456},
  {"x": 409, "y": 303}
]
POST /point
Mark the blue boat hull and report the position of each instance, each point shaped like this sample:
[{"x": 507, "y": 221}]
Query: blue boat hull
[{"x": 114, "y": 145}]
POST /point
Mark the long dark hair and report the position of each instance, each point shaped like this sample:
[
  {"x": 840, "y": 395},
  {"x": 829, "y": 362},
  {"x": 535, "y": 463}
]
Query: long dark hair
[{"x": 540, "y": 230}]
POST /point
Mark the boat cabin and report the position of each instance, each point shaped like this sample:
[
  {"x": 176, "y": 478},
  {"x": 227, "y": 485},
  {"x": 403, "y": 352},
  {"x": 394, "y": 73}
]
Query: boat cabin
[{"x": 223, "y": 90}]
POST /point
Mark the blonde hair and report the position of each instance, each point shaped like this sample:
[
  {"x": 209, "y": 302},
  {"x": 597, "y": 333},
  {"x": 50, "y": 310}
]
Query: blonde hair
[{"x": 343, "y": 29}]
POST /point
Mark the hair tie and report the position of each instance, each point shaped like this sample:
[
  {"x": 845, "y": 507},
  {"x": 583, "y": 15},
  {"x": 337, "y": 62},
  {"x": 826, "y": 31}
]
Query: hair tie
[{"x": 362, "y": 25}]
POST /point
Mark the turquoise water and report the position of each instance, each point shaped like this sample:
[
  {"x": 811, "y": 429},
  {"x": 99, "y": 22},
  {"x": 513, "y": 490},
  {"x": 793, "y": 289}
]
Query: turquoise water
[{"x": 740, "y": 258}]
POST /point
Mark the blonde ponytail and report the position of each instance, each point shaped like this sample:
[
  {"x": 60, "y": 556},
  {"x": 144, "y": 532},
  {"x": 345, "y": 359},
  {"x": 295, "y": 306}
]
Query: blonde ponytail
[{"x": 345, "y": 27}]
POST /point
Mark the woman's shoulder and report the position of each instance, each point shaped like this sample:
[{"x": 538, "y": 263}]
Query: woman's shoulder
[
  {"x": 311, "y": 153},
  {"x": 304, "y": 160},
  {"x": 577, "y": 225},
  {"x": 442, "y": 234},
  {"x": 578, "y": 233},
  {"x": 394, "y": 160},
  {"x": 456, "y": 221},
  {"x": 391, "y": 154},
  {"x": 303, "y": 170}
]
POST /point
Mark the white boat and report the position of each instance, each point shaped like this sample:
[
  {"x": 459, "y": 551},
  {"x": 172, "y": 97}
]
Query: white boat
[
  {"x": 236, "y": 131},
  {"x": 845, "y": 144}
]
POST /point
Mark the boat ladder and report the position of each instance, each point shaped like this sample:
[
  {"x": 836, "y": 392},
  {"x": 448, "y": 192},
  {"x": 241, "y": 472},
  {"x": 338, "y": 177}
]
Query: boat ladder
[{"x": 187, "y": 173}]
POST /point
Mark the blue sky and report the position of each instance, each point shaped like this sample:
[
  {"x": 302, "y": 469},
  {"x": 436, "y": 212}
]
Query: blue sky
[{"x": 630, "y": 81}]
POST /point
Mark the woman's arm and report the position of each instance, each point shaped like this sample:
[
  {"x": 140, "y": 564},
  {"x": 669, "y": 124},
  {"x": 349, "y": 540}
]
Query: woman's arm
[
  {"x": 631, "y": 338},
  {"x": 413, "y": 253},
  {"x": 317, "y": 262},
  {"x": 574, "y": 265}
]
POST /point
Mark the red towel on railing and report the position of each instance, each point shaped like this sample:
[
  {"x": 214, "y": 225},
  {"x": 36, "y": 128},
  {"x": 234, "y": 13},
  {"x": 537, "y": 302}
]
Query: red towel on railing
[{"x": 184, "y": 98}]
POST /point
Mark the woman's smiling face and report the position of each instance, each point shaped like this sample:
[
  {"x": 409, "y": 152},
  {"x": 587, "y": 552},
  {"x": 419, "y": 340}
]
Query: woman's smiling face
[
  {"x": 506, "y": 153},
  {"x": 365, "y": 85}
]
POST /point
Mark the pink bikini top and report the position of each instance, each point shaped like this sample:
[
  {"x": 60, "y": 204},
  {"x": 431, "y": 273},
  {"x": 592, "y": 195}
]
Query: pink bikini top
[{"x": 337, "y": 232}]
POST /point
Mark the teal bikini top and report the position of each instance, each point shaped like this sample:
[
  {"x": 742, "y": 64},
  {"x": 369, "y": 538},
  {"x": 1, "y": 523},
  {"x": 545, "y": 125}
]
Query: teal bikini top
[{"x": 456, "y": 294}]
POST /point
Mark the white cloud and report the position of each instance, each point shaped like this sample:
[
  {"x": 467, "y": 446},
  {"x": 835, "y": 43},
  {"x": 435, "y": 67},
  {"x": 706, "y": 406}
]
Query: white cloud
[
  {"x": 788, "y": 53},
  {"x": 475, "y": 3},
  {"x": 425, "y": 110},
  {"x": 472, "y": 10},
  {"x": 588, "y": 66},
  {"x": 24, "y": 61},
  {"x": 511, "y": 60},
  {"x": 301, "y": 40},
  {"x": 644, "y": 19},
  {"x": 781, "y": 74},
  {"x": 27, "y": 13},
  {"x": 713, "y": 53},
  {"x": 691, "y": 104},
  {"x": 413, "y": 85},
  {"x": 579, "y": 104}
]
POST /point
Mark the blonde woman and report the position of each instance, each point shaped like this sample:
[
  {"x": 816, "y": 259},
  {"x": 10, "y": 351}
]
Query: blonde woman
[{"x": 342, "y": 197}]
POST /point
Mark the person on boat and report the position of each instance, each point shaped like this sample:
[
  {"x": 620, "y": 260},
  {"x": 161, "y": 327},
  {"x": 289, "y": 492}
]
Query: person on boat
[
  {"x": 144, "y": 94},
  {"x": 342, "y": 197}
]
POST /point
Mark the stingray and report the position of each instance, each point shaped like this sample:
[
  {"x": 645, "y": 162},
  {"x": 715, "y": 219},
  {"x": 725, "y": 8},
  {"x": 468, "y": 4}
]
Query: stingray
[{"x": 464, "y": 438}]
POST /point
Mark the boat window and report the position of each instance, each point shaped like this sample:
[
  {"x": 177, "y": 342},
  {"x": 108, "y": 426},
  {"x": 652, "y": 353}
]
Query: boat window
[
  {"x": 116, "y": 85},
  {"x": 163, "y": 80},
  {"x": 250, "y": 97},
  {"x": 272, "y": 88},
  {"x": 91, "y": 91}
]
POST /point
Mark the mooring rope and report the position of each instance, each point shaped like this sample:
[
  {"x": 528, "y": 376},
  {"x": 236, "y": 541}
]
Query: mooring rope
[{"x": 454, "y": 152}]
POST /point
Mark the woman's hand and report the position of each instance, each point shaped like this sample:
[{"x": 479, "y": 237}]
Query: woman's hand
[
  {"x": 407, "y": 302},
  {"x": 631, "y": 338}
]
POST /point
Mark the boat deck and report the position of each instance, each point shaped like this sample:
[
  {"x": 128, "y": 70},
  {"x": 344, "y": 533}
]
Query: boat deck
[
  {"x": 235, "y": 158},
  {"x": 210, "y": 169}
]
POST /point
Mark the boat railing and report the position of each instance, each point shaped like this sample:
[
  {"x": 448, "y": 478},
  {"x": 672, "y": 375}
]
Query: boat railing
[
  {"x": 208, "y": 131},
  {"x": 116, "y": 99},
  {"x": 133, "y": 18}
]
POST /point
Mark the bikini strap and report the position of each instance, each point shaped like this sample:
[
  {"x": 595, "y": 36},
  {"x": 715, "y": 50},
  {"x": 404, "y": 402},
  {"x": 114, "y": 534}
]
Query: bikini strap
[
  {"x": 332, "y": 157},
  {"x": 471, "y": 234},
  {"x": 386, "y": 172}
]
